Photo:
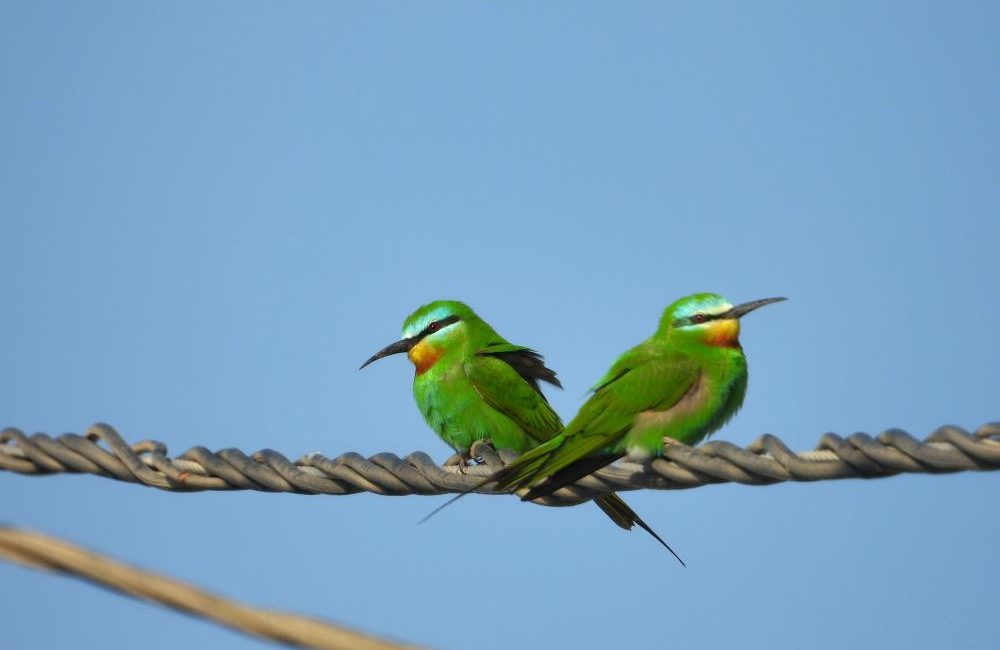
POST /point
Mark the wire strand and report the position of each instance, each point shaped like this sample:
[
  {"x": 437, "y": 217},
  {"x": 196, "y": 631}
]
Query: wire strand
[
  {"x": 48, "y": 553},
  {"x": 101, "y": 451}
]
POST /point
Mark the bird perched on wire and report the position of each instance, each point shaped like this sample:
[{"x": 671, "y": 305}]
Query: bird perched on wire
[
  {"x": 682, "y": 383},
  {"x": 472, "y": 385}
]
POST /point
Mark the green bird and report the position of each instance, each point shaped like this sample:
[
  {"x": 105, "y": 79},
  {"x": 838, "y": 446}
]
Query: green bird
[
  {"x": 473, "y": 385},
  {"x": 682, "y": 383}
]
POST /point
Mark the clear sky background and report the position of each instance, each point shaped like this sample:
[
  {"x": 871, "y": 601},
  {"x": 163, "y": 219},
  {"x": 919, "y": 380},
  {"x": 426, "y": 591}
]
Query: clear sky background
[{"x": 212, "y": 213}]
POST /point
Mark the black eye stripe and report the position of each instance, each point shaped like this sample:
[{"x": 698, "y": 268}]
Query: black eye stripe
[
  {"x": 437, "y": 325},
  {"x": 690, "y": 320}
]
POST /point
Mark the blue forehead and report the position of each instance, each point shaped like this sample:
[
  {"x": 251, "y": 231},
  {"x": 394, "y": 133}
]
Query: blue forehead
[{"x": 437, "y": 310}]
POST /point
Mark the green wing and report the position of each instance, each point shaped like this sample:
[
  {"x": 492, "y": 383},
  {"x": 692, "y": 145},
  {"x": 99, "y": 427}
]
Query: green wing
[
  {"x": 504, "y": 389},
  {"x": 643, "y": 379}
]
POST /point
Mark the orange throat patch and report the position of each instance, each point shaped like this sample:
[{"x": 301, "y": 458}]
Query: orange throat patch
[
  {"x": 724, "y": 333},
  {"x": 423, "y": 357}
]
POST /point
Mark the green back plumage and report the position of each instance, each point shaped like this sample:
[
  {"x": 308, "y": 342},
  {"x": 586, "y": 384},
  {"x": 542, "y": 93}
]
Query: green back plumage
[{"x": 684, "y": 382}]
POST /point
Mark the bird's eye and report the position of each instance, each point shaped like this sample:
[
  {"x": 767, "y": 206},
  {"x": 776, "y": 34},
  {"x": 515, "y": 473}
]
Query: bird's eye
[
  {"x": 699, "y": 318},
  {"x": 434, "y": 326}
]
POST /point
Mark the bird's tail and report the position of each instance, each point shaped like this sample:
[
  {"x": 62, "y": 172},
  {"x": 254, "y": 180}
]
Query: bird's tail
[
  {"x": 522, "y": 469},
  {"x": 619, "y": 512}
]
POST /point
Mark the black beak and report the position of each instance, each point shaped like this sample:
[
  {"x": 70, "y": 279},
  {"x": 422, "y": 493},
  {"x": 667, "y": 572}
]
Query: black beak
[
  {"x": 394, "y": 348},
  {"x": 747, "y": 307}
]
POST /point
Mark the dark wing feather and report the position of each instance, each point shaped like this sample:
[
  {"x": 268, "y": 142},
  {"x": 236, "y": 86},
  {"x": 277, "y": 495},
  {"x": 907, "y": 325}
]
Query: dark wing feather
[
  {"x": 528, "y": 363},
  {"x": 570, "y": 474}
]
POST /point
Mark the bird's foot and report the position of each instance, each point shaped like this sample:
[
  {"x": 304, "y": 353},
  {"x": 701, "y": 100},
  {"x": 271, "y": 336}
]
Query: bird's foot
[
  {"x": 479, "y": 444},
  {"x": 460, "y": 459},
  {"x": 463, "y": 459},
  {"x": 668, "y": 442}
]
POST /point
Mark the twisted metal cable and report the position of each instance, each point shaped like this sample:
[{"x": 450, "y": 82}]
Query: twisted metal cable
[
  {"x": 767, "y": 460},
  {"x": 48, "y": 553}
]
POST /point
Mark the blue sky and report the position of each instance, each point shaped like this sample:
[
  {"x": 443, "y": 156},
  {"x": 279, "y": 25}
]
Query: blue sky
[{"x": 212, "y": 213}]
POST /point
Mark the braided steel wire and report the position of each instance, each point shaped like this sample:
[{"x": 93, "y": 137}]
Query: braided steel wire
[{"x": 103, "y": 452}]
